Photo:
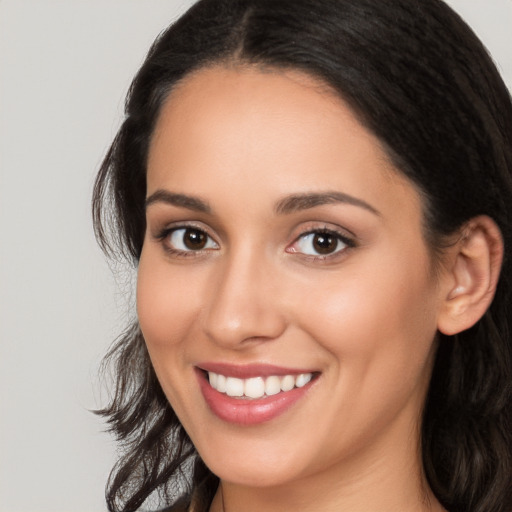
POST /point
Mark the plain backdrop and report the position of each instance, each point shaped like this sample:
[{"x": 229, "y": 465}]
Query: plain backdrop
[{"x": 65, "y": 66}]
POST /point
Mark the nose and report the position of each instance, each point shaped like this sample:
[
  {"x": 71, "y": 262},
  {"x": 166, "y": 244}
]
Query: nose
[{"x": 244, "y": 306}]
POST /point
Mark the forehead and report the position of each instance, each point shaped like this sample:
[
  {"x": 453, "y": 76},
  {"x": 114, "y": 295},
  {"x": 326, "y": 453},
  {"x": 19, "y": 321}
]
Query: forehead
[{"x": 268, "y": 133}]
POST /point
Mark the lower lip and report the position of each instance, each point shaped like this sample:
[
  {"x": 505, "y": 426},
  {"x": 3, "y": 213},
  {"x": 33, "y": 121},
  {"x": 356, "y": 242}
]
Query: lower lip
[{"x": 242, "y": 411}]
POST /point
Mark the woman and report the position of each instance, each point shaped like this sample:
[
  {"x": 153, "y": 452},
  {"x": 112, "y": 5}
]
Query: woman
[{"x": 318, "y": 199}]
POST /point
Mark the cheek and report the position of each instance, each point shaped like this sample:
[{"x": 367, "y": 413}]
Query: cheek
[
  {"x": 378, "y": 328},
  {"x": 382, "y": 319},
  {"x": 166, "y": 305}
]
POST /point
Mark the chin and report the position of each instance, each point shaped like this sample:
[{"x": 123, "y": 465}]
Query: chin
[
  {"x": 258, "y": 466},
  {"x": 253, "y": 475}
]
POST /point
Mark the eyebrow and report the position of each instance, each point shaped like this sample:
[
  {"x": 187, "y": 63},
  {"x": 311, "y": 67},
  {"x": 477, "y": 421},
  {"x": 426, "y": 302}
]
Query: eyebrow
[
  {"x": 287, "y": 205},
  {"x": 298, "y": 202},
  {"x": 181, "y": 200}
]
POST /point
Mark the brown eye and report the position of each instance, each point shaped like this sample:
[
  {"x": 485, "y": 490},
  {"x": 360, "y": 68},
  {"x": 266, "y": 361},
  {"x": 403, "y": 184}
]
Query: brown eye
[
  {"x": 321, "y": 243},
  {"x": 324, "y": 243},
  {"x": 194, "y": 239},
  {"x": 190, "y": 239}
]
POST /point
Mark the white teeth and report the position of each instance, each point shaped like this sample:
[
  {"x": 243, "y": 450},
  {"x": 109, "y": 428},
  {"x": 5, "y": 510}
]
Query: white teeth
[
  {"x": 302, "y": 379},
  {"x": 234, "y": 386},
  {"x": 287, "y": 383},
  {"x": 254, "y": 388},
  {"x": 213, "y": 377},
  {"x": 257, "y": 387},
  {"x": 221, "y": 383},
  {"x": 272, "y": 386}
]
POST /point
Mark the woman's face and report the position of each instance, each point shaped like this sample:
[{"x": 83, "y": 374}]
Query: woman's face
[{"x": 284, "y": 260}]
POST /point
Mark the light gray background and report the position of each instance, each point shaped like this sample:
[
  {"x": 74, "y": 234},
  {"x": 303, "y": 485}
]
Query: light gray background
[{"x": 65, "y": 66}]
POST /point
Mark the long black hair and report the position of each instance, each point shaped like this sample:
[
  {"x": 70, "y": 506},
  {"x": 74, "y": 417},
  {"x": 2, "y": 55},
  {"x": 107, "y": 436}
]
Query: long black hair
[{"x": 418, "y": 78}]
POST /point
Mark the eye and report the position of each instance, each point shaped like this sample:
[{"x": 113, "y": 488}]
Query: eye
[
  {"x": 320, "y": 243},
  {"x": 190, "y": 239}
]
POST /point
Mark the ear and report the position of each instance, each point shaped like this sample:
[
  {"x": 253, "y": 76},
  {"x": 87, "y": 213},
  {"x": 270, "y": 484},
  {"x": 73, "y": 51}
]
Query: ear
[{"x": 471, "y": 277}]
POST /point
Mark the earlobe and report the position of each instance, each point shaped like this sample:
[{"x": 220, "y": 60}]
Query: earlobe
[{"x": 472, "y": 276}]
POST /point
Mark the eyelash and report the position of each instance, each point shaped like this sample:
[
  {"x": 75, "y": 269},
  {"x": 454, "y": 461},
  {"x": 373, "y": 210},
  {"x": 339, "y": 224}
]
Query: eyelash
[
  {"x": 164, "y": 238},
  {"x": 348, "y": 243}
]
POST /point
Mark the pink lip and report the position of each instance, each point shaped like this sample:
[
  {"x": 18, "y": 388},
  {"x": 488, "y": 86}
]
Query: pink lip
[
  {"x": 250, "y": 370},
  {"x": 248, "y": 412}
]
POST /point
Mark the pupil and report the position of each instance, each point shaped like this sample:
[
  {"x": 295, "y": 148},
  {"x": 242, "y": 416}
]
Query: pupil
[
  {"x": 194, "y": 239},
  {"x": 324, "y": 243}
]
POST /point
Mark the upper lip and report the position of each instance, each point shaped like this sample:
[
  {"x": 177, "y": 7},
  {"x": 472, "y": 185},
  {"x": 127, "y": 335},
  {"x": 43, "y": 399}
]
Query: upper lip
[{"x": 246, "y": 371}]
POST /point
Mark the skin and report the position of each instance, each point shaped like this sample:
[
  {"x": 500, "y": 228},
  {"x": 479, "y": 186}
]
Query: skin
[{"x": 364, "y": 317}]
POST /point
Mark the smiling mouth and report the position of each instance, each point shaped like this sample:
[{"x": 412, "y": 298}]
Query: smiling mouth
[
  {"x": 257, "y": 387},
  {"x": 253, "y": 394}
]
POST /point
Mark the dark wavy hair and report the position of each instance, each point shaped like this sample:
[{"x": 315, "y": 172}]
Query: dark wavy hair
[{"x": 418, "y": 78}]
